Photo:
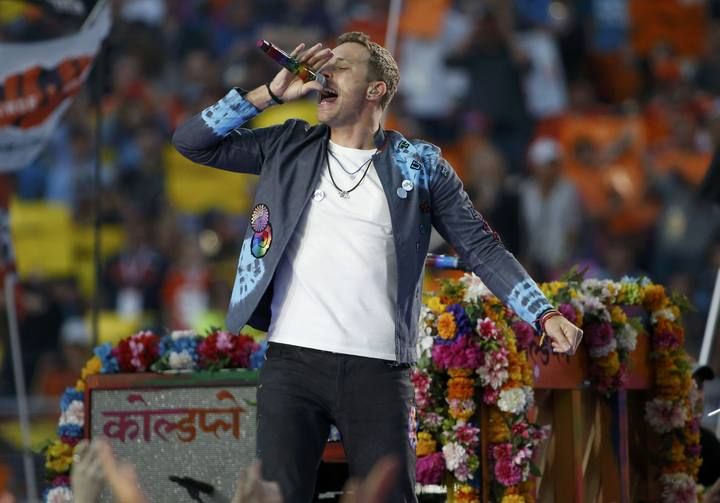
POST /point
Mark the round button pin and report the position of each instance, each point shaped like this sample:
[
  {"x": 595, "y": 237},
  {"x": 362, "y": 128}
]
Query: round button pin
[
  {"x": 407, "y": 185},
  {"x": 318, "y": 196},
  {"x": 402, "y": 193}
]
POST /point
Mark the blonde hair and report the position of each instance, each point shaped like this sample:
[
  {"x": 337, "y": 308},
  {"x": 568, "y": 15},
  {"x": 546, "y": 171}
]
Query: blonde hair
[{"x": 381, "y": 65}]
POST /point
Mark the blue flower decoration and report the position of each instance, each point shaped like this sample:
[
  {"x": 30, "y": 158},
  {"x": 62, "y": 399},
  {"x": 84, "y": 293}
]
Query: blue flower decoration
[
  {"x": 69, "y": 396},
  {"x": 189, "y": 344},
  {"x": 70, "y": 431},
  {"x": 109, "y": 362},
  {"x": 462, "y": 321}
]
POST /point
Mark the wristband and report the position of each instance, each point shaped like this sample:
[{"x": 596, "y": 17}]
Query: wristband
[{"x": 272, "y": 95}]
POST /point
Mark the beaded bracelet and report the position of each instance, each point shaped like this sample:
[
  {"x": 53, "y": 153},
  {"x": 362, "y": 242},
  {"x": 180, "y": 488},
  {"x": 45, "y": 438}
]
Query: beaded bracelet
[{"x": 550, "y": 313}]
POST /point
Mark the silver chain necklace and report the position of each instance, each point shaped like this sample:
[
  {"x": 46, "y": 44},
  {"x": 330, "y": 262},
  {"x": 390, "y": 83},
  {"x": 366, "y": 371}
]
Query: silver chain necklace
[
  {"x": 351, "y": 173},
  {"x": 345, "y": 194}
]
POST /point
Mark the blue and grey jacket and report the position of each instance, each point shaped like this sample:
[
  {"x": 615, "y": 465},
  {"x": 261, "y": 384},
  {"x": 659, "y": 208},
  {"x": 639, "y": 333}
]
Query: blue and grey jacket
[{"x": 289, "y": 159}]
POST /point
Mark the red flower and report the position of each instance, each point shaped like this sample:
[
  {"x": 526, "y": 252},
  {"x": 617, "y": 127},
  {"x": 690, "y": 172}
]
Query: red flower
[
  {"x": 137, "y": 352},
  {"x": 225, "y": 350}
]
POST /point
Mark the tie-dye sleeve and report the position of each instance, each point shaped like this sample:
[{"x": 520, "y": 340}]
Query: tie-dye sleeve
[
  {"x": 213, "y": 137},
  {"x": 480, "y": 247}
]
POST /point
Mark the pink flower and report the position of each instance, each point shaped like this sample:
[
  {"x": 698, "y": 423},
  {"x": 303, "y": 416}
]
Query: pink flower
[
  {"x": 520, "y": 430},
  {"x": 462, "y": 353},
  {"x": 667, "y": 339},
  {"x": 468, "y": 435},
  {"x": 430, "y": 469},
  {"x": 501, "y": 451},
  {"x": 507, "y": 473},
  {"x": 568, "y": 311},
  {"x": 598, "y": 334},
  {"x": 487, "y": 328},
  {"x": 524, "y": 334},
  {"x": 490, "y": 395},
  {"x": 224, "y": 343}
]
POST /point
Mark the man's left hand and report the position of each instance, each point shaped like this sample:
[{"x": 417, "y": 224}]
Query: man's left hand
[{"x": 564, "y": 336}]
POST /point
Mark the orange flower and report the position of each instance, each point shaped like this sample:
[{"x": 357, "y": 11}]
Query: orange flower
[
  {"x": 654, "y": 297},
  {"x": 461, "y": 388},
  {"x": 425, "y": 444},
  {"x": 457, "y": 372},
  {"x": 446, "y": 326},
  {"x": 466, "y": 494}
]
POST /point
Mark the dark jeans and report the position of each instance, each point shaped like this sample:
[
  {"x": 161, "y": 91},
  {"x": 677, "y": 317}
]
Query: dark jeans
[{"x": 303, "y": 391}]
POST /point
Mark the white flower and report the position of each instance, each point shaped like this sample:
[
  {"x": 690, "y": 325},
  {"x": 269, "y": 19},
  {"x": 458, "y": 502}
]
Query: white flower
[
  {"x": 677, "y": 488},
  {"x": 662, "y": 314},
  {"x": 605, "y": 350},
  {"x": 590, "y": 304},
  {"x": 424, "y": 345},
  {"x": 74, "y": 414},
  {"x": 626, "y": 337},
  {"x": 474, "y": 287},
  {"x": 181, "y": 360},
  {"x": 512, "y": 400},
  {"x": 59, "y": 495},
  {"x": 664, "y": 415},
  {"x": 176, "y": 335},
  {"x": 455, "y": 455}
]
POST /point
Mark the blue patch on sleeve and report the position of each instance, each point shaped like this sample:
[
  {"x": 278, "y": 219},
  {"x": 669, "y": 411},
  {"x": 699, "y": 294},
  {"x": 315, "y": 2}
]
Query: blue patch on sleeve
[
  {"x": 230, "y": 112},
  {"x": 527, "y": 300}
]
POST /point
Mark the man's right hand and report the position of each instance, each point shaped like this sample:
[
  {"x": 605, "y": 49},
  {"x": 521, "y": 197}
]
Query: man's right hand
[{"x": 286, "y": 85}]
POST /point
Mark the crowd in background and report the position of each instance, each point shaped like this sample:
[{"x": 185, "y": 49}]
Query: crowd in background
[{"x": 581, "y": 129}]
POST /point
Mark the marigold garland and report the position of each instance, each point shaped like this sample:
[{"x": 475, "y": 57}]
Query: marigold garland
[{"x": 503, "y": 379}]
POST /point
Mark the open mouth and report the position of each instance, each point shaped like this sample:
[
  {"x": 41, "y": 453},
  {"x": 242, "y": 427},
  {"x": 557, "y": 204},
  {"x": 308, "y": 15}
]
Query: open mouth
[{"x": 327, "y": 95}]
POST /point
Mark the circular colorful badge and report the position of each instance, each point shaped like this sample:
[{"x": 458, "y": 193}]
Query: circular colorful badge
[
  {"x": 261, "y": 242},
  {"x": 260, "y": 218}
]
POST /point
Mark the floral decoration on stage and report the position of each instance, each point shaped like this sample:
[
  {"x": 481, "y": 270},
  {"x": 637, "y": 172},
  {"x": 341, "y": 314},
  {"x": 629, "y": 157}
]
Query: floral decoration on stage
[
  {"x": 145, "y": 351},
  {"x": 473, "y": 349}
]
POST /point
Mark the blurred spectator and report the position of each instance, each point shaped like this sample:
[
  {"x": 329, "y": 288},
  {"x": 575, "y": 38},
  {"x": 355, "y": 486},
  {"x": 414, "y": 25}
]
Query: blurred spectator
[
  {"x": 132, "y": 279},
  {"x": 494, "y": 195},
  {"x": 56, "y": 371},
  {"x": 684, "y": 229},
  {"x": 185, "y": 291},
  {"x": 429, "y": 88},
  {"x": 495, "y": 102},
  {"x": 551, "y": 212},
  {"x": 707, "y": 76}
]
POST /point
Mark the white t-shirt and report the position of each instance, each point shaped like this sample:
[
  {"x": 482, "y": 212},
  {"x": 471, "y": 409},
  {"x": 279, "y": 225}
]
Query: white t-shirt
[{"x": 336, "y": 286}]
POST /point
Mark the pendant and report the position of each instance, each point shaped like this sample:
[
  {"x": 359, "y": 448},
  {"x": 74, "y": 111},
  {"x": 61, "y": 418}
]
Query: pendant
[{"x": 344, "y": 194}]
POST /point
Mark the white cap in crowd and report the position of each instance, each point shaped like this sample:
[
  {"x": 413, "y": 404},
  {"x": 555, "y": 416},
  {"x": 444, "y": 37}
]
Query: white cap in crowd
[{"x": 544, "y": 151}]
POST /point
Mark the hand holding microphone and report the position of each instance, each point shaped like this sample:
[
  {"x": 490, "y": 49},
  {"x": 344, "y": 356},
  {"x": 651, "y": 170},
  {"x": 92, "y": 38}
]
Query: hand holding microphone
[{"x": 298, "y": 76}]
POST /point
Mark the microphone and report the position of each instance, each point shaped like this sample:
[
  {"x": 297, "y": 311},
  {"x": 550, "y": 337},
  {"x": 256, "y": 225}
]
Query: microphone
[
  {"x": 304, "y": 72},
  {"x": 192, "y": 486}
]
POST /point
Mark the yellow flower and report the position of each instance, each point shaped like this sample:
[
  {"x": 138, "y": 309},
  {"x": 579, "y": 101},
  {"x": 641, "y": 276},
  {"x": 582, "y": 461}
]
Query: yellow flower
[
  {"x": 80, "y": 385},
  {"x": 513, "y": 498},
  {"x": 446, "y": 326},
  {"x": 59, "y": 457},
  {"x": 92, "y": 367},
  {"x": 435, "y": 305},
  {"x": 677, "y": 452},
  {"x": 618, "y": 315},
  {"x": 425, "y": 444},
  {"x": 457, "y": 372},
  {"x": 498, "y": 429}
]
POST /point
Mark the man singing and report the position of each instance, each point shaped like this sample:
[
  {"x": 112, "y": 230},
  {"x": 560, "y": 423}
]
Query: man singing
[{"x": 332, "y": 261}]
